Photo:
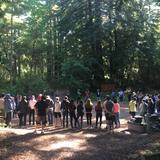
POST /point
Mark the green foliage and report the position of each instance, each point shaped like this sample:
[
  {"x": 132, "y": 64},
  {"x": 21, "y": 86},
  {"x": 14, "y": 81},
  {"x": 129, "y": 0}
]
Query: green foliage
[
  {"x": 28, "y": 86},
  {"x": 75, "y": 75},
  {"x": 79, "y": 44}
]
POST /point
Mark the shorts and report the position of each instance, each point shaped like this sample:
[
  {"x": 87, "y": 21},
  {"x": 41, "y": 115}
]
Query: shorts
[
  {"x": 41, "y": 120},
  {"x": 57, "y": 114}
]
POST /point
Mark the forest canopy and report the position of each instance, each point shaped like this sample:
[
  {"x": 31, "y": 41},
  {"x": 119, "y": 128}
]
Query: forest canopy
[{"x": 54, "y": 44}]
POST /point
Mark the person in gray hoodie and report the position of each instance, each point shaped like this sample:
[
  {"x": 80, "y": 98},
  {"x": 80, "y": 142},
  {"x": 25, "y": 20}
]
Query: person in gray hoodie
[{"x": 8, "y": 108}]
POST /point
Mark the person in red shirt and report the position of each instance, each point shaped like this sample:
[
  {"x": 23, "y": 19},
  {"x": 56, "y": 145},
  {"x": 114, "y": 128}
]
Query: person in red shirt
[{"x": 116, "y": 113}]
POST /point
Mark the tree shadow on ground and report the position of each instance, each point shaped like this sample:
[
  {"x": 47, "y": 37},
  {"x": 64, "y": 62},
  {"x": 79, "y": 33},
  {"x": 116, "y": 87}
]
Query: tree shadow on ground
[{"x": 75, "y": 145}]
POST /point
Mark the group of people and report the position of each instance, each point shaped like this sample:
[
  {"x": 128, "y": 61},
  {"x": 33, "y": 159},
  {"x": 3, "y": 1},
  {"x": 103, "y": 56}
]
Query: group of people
[
  {"x": 44, "y": 110},
  {"x": 143, "y": 104}
]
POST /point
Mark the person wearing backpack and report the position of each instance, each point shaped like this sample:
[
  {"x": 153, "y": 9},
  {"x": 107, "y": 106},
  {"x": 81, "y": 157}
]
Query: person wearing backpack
[{"x": 109, "y": 113}]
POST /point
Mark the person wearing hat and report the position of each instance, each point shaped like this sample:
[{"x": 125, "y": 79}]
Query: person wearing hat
[{"x": 65, "y": 111}]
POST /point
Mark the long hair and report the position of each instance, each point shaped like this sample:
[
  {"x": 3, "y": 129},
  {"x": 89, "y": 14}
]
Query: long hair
[
  {"x": 99, "y": 103},
  {"x": 89, "y": 102}
]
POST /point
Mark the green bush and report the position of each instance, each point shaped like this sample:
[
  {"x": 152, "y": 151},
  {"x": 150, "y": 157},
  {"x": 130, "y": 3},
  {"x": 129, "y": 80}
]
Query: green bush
[
  {"x": 29, "y": 85},
  {"x": 75, "y": 75}
]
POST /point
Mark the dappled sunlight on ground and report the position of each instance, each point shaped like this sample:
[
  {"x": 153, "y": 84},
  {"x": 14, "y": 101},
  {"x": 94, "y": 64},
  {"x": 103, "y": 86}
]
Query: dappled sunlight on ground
[
  {"x": 16, "y": 131},
  {"x": 73, "y": 145},
  {"x": 66, "y": 143},
  {"x": 90, "y": 135}
]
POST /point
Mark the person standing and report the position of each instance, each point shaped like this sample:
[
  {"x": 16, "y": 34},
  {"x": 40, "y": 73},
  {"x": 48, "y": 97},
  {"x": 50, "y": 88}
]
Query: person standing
[
  {"x": 80, "y": 113},
  {"x": 121, "y": 95},
  {"x": 8, "y": 108},
  {"x": 31, "y": 105},
  {"x": 57, "y": 112},
  {"x": 98, "y": 94},
  {"x": 78, "y": 95},
  {"x": 151, "y": 107},
  {"x": 87, "y": 95},
  {"x": 50, "y": 110},
  {"x": 41, "y": 110},
  {"x": 72, "y": 114},
  {"x": 132, "y": 107},
  {"x": 109, "y": 113},
  {"x": 89, "y": 107},
  {"x": 143, "y": 108},
  {"x": 158, "y": 104},
  {"x": 116, "y": 113},
  {"x": 22, "y": 110},
  {"x": 98, "y": 109},
  {"x": 65, "y": 111},
  {"x": 2, "y": 108}
]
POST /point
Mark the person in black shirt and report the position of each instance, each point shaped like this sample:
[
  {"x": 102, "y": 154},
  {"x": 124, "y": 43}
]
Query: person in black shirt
[
  {"x": 65, "y": 111},
  {"x": 80, "y": 113},
  {"x": 98, "y": 109},
  {"x": 41, "y": 109},
  {"x": 72, "y": 109},
  {"x": 22, "y": 111}
]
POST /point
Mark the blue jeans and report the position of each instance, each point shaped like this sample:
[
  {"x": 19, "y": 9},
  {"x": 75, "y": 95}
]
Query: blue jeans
[
  {"x": 117, "y": 121},
  {"x": 50, "y": 116}
]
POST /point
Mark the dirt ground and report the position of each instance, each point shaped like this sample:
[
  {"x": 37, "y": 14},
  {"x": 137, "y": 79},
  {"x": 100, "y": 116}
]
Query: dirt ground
[{"x": 76, "y": 144}]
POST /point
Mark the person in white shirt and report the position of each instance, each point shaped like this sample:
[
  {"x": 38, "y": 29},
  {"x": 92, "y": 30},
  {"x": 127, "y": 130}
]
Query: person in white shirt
[
  {"x": 31, "y": 105},
  {"x": 57, "y": 112}
]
